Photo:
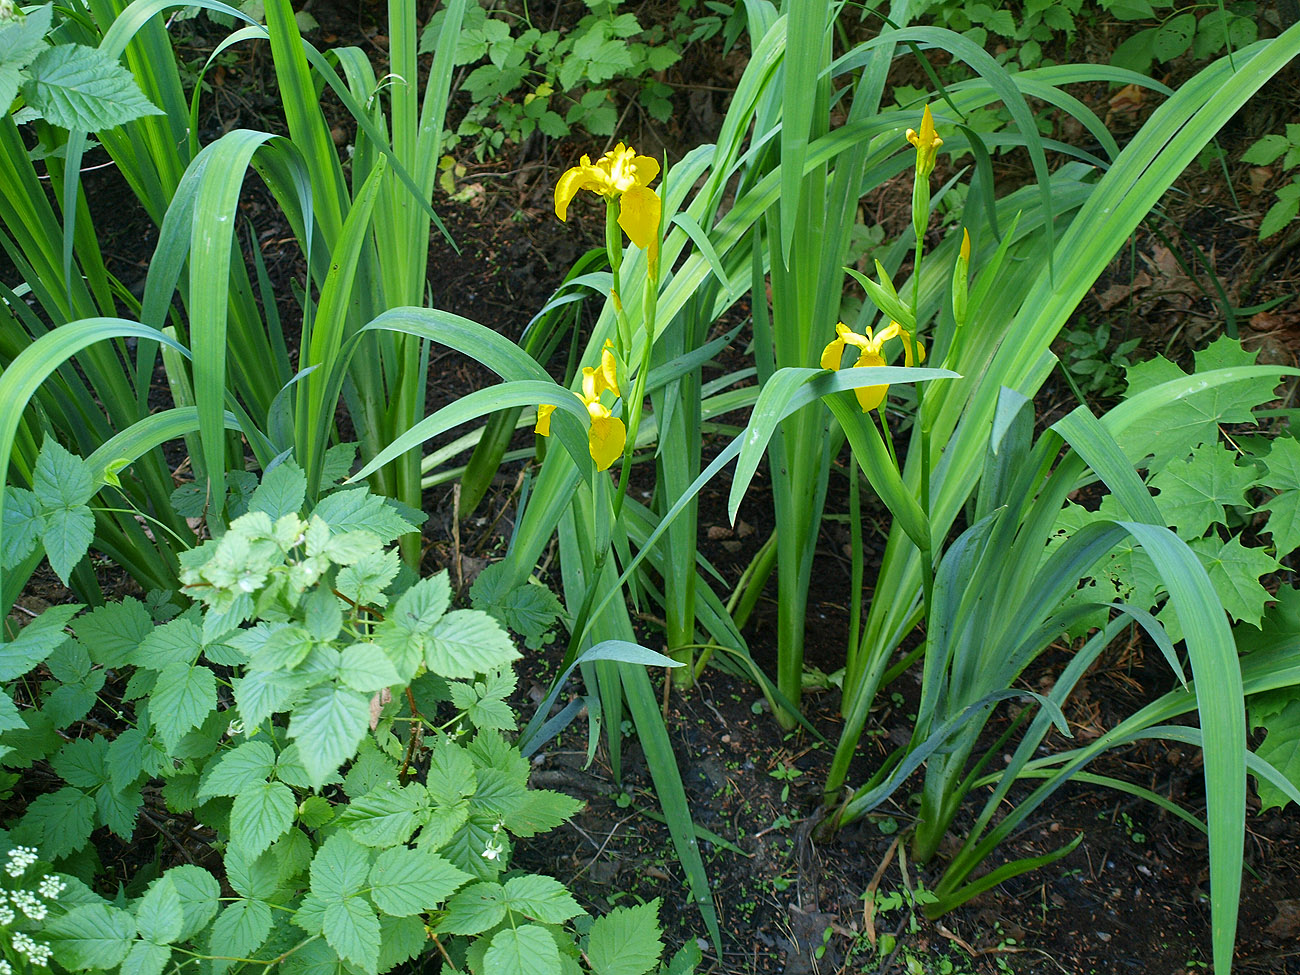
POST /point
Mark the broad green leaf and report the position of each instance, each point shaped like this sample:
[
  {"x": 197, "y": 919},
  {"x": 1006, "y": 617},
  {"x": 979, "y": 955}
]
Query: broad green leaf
[
  {"x": 262, "y": 813},
  {"x": 402, "y": 938},
  {"x": 176, "y": 642},
  {"x": 625, "y": 941},
  {"x": 386, "y": 816},
  {"x": 240, "y": 929},
  {"x": 365, "y": 580},
  {"x": 1194, "y": 492},
  {"x": 1235, "y": 571},
  {"x": 25, "y": 38},
  {"x": 132, "y": 754},
  {"x": 475, "y": 908},
  {"x": 61, "y": 479},
  {"x": 67, "y": 535},
  {"x": 262, "y": 693},
  {"x": 541, "y": 898},
  {"x": 358, "y": 509},
  {"x": 146, "y": 958},
  {"x": 352, "y": 929},
  {"x": 79, "y": 87},
  {"x": 158, "y": 915},
  {"x": 526, "y": 950},
  {"x": 22, "y": 525},
  {"x": 1281, "y": 745},
  {"x": 405, "y": 881},
  {"x": 237, "y": 769},
  {"x": 327, "y": 727},
  {"x": 36, "y": 641},
  {"x": 119, "y": 808},
  {"x": 10, "y": 717},
  {"x": 274, "y": 646},
  {"x": 61, "y": 821},
  {"x": 113, "y": 631},
  {"x": 252, "y": 877},
  {"x": 198, "y": 891},
  {"x": 282, "y": 491},
  {"x": 366, "y": 667},
  {"x": 466, "y": 642},
  {"x": 91, "y": 936},
  {"x": 83, "y": 762},
  {"x": 340, "y": 869},
  {"x": 182, "y": 699}
]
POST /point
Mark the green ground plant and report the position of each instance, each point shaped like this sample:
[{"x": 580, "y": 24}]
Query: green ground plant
[
  {"x": 1265, "y": 152},
  {"x": 340, "y": 730}
]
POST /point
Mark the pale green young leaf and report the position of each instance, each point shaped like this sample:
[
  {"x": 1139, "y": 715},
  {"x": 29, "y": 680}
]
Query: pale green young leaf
[
  {"x": 625, "y": 941},
  {"x": 466, "y": 642},
  {"x": 262, "y": 693},
  {"x": 327, "y": 726},
  {"x": 324, "y": 614},
  {"x": 526, "y": 950},
  {"x": 91, "y": 936},
  {"x": 79, "y": 87},
  {"x": 36, "y": 641},
  {"x": 177, "y": 642},
  {"x": 405, "y": 881},
  {"x": 365, "y": 667},
  {"x": 22, "y": 525},
  {"x": 182, "y": 699},
  {"x": 240, "y": 929},
  {"x": 352, "y": 929},
  {"x": 490, "y": 750},
  {"x": 540, "y": 898},
  {"x": 158, "y": 914},
  {"x": 345, "y": 548},
  {"x": 25, "y": 38},
  {"x": 282, "y": 491},
  {"x": 365, "y": 580},
  {"x": 421, "y": 606},
  {"x": 358, "y": 509},
  {"x": 248, "y": 764},
  {"x": 386, "y": 816},
  {"x": 113, "y": 631},
  {"x": 473, "y": 909},
  {"x": 262, "y": 813},
  {"x": 146, "y": 958},
  {"x": 59, "y": 822},
  {"x": 1195, "y": 492},
  {"x": 274, "y": 646}
]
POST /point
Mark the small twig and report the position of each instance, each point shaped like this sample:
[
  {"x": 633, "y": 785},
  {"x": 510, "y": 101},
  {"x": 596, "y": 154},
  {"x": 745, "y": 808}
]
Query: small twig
[
  {"x": 869, "y": 895},
  {"x": 601, "y": 848}
]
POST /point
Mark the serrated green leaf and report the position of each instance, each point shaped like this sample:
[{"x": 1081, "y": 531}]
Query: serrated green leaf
[
  {"x": 1195, "y": 493},
  {"x": 274, "y": 646},
  {"x": 61, "y": 479},
  {"x": 198, "y": 891},
  {"x": 25, "y": 38},
  {"x": 146, "y": 958},
  {"x": 386, "y": 816},
  {"x": 11, "y": 718},
  {"x": 113, "y": 631},
  {"x": 83, "y": 762},
  {"x": 158, "y": 914},
  {"x": 36, "y": 641},
  {"x": 365, "y": 580},
  {"x": 176, "y": 642},
  {"x": 119, "y": 808},
  {"x": 62, "y": 821},
  {"x": 371, "y": 769},
  {"x": 22, "y": 517},
  {"x": 1283, "y": 522},
  {"x": 475, "y": 908},
  {"x": 282, "y": 491},
  {"x": 526, "y": 950},
  {"x": 539, "y": 811},
  {"x": 240, "y": 929},
  {"x": 352, "y": 929},
  {"x": 1235, "y": 571},
  {"x": 366, "y": 667},
  {"x": 625, "y": 941},
  {"x": 182, "y": 700},
  {"x": 540, "y": 898},
  {"x": 1280, "y": 748},
  {"x": 262, "y": 693},
  {"x": 253, "y": 877},
  {"x": 340, "y": 869},
  {"x": 401, "y": 939},
  {"x": 237, "y": 769},
  {"x": 79, "y": 87},
  {"x": 405, "y": 881},
  {"x": 466, "y": 642},
  {"x": 67, "y": 535},
  {"x": 91, "y": 936},
  {"x": 359, "y": 510},
  {"x": 327, "y": 726},
  {"x": 262, "y": 813}
]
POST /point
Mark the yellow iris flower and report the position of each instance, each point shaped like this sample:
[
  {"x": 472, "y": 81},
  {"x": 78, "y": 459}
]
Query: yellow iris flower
[
  {"x": 607, "y": 435},
  {"x": 927, "y": 143},
  {"x": 620, "y": 174},
  {"x": 869, "y": 354}
]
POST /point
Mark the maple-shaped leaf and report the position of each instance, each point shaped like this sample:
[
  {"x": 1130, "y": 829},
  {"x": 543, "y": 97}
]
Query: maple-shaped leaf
[
  {"x": 1234, "y": 571},
  {"x": 1195, "y": 492},
  {"x": 1283, "y": 465},
  {"x": 1278, "y": 713},
  {"x": 1282, "y": 473}
]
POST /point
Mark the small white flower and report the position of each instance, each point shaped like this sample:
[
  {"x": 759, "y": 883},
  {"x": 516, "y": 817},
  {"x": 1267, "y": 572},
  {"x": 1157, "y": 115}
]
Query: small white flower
[
  {"x": 5, "y": 968},
  {"x": 51, "y": 887},
  {"x": 20, "y": 858},
  {"x": 493, "y": 850},
  {"x": 7, "y": 915},
  {"x": 235, "y": 727},
  {"x": 29, "y": 904},
  {"x": 37, "y": 953}
]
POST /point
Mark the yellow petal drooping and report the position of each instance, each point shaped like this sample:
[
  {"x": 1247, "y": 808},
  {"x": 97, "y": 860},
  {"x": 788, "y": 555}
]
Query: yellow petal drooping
[
  {"x": 606, "y": 438},
  {"x": 544, "y": 412},
  {"x": 638, "y": 215},
  {"x": 870, "y": 397}
]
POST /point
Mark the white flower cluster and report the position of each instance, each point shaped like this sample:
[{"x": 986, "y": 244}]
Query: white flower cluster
[
  {"x": 51, "y": 887},
  {"x": 29, "y": 904},
  {"x": 37, "y": 953},
  {"x": 5, "y": 968},
  {"x": 20, "y": 858}
]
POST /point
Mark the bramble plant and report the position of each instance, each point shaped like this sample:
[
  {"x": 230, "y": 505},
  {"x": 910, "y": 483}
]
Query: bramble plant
[
  {"x": 1265, "y": 152},
  {"x": 337, "y": 726}
]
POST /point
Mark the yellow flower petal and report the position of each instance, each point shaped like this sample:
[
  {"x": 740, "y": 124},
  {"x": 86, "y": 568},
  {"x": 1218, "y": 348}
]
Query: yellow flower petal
[
  {"x": 832, "y": 354},
  {"x": 606, "y": 438},
  {"x": 544, "y": 412},
  {"x": 608, "y": 372},
  {"x": 584, "y": 176},
  {"x": 646, "y": 169},
  {"x": 638, "y": 215},
  {"x": 870, "y": 397},
  {"x": 907, "y": 347}
]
